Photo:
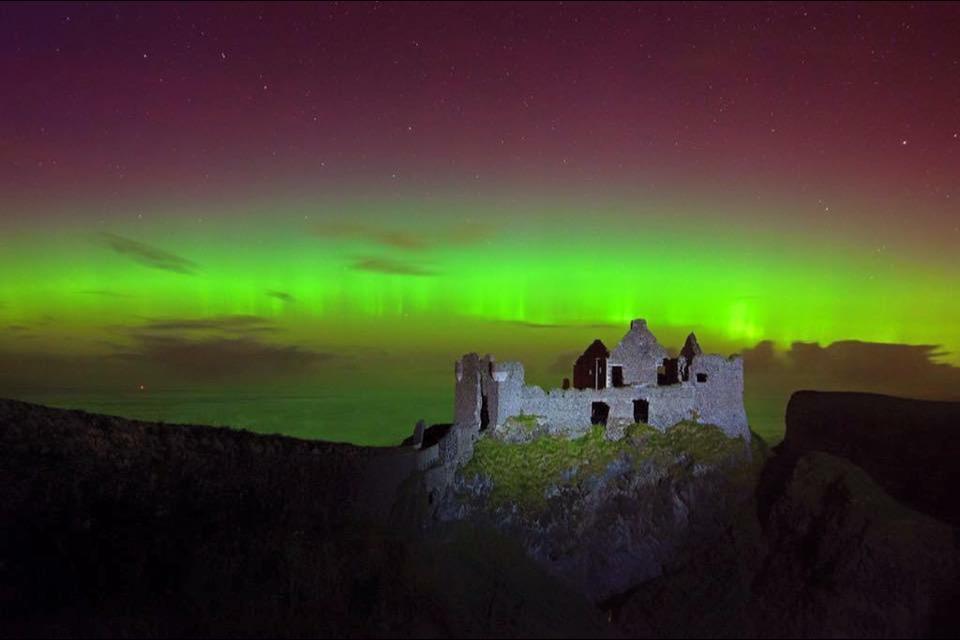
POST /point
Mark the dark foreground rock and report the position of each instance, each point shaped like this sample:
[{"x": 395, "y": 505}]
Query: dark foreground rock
[
  {"x": 847, "y": 560},
  {"x": 111, "y": 527},
  {"x": 909, "y": 447},
  {"x": 837, "y": 558}
]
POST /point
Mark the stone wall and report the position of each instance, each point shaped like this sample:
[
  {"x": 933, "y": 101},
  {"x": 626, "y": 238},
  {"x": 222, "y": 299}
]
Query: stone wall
[
  {"x": 466, "y": 402},
  {"x": 509, "y": 380},
  {"x": 669, "y": 405},
  {"x": 719, "y": 399},
  {"x": 639, "y": 354},
  {"x": 712, "y": 394},
  {"x": 488, "y": 393}
]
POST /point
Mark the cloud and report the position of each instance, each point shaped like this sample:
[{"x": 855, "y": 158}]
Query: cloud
[
  {"x": 383, "y": 237},
  {"x": 899, "y": 369},
  {"x": 219, "y": 357},
  {"x": 905, "y": 370},
  {"x": 458, "y": 235},
  {"x": 281, "y": 295},
  {"x": 223, "y": 324},
  {"x": 234, "y": 349},
  {"x": 16, "y": 328},
  {"x": 548, "y": 325},
  {"x": 28, "y": 330},
  {"x": 391, "y": 266},
  {"x": 148, "y": 255}
]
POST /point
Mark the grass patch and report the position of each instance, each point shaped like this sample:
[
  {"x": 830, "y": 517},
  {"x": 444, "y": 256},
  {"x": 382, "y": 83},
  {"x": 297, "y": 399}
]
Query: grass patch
[
  {"x": 525, "y": 421},
  {"x": 521, "y": 473}
]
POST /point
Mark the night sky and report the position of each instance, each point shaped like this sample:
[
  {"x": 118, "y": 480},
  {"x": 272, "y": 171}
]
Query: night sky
[{"x": 347, "y": 197}]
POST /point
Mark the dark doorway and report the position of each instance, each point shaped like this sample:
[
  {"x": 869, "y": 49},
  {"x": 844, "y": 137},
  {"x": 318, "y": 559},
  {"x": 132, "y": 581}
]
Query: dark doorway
[
  {"x": 701, "y": 377},
  {"x": 669, "y": 372},
  {"x": 616, "y": 376},
  {"x": 641, "y": 411},
  {"x": 599, "y": 413},
  {"x": 484, "y": 412}
]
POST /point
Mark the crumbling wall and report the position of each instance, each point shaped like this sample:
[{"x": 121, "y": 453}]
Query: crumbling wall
[
  {"x": 668, "y": 405},
  {"x": 719, "y": 398},
  {"x": 704, "y": 388},
  {"x": 508, "y": 378},
  {"x": 567, "y": 412},
  {"x": 466, "y": 401},
  {"x": 639, "y": 353}
]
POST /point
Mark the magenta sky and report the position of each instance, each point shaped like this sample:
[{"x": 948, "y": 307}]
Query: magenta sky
[{"x": 808, "y": 100}]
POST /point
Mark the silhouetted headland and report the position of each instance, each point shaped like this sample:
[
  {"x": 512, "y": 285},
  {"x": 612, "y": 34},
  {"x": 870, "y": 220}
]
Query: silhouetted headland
[{"x": 114, "y": 527}]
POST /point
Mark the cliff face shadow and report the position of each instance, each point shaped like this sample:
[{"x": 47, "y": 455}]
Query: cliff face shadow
[
  {"x": 909, "y": 447},
  {"x": 858, "y": 508},
  {"x": 119, "y": 528}
]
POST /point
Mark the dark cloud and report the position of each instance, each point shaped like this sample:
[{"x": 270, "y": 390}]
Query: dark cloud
[
  {"x": 219, "y": 358},
  {"x": 383, "y": 237},
  {"x": 467, "y": 233},
  {"x": 771, "y": 376},
  {"x": 16, "y": 328},
  {"x": 281, "y": 295},
  {"x": 222, "y": 324},
  {"x": 548, "y": 325},
  {"x": 851, "y": 365},
  {"x": 458, "y": 235},
  {"x": 24, "y": 330},
  {"x": 148, "y": 255},
  {"x": 391, "y": 266},
  {"x": 168, "y": 359}
]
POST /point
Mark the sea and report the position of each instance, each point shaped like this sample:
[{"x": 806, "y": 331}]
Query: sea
[{"x": 371, "y": 417}]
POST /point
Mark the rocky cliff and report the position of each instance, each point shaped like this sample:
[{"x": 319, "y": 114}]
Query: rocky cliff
[
  {"x": 602, "y": 515},
  {"x": 111, "y": 527},
  {"x": 909, "y": 447}
]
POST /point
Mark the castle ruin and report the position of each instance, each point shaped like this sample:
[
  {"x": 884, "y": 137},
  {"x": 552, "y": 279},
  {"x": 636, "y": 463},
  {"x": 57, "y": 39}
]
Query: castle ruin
[{"x": 637, "y": 381}]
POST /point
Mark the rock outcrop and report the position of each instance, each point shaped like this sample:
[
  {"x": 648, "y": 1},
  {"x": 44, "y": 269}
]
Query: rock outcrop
[
  {"x": 844, "y": 550},
  {"x": 110, "y": 527},
  {"x": 845, "y": 559},
  {"x": 909, "y": 447},
  {"x": 605, "y": 515}
]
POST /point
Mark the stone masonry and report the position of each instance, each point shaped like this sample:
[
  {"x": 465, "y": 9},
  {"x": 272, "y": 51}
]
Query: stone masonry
[{"x": 638, "y": 382}]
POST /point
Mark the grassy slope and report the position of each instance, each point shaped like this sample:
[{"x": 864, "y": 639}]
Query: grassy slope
[{"x": 521, "y": 473}]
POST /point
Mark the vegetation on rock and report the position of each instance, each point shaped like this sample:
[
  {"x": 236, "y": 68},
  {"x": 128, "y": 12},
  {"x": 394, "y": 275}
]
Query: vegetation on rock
[
  {"x": 522, "y": 473},
  {"x": 525, "y": 421}
]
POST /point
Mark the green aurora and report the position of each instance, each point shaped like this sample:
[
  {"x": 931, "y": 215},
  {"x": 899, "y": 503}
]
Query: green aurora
[
  {"x": 358, "y": 308},
  {"x": 413, "y": 274}
]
